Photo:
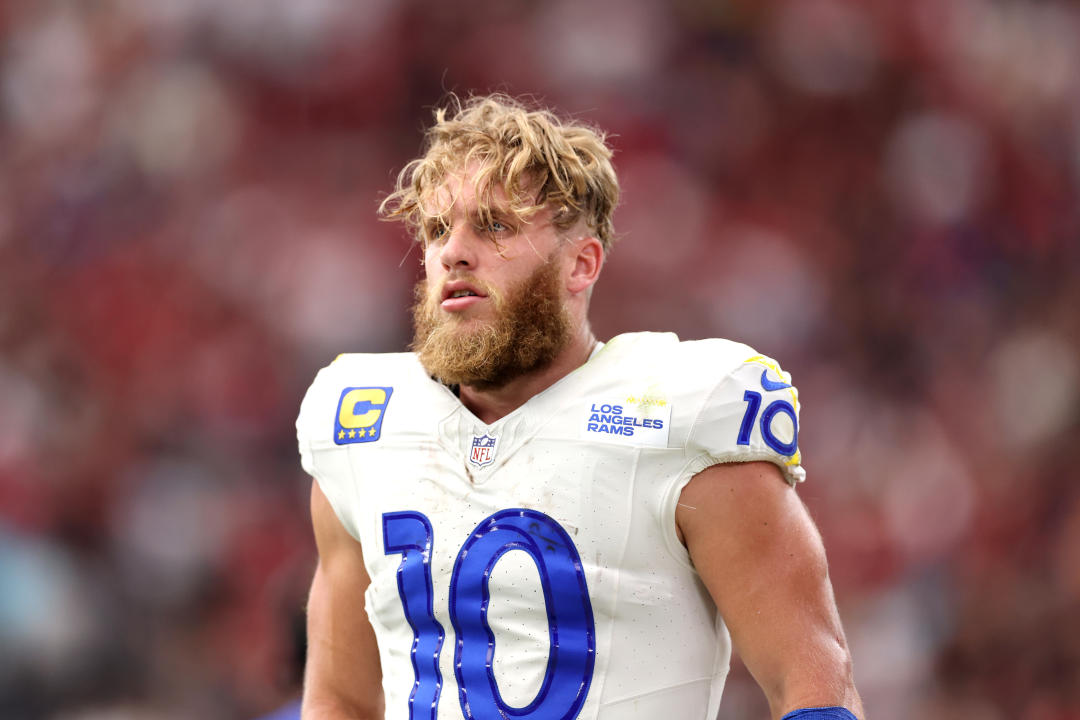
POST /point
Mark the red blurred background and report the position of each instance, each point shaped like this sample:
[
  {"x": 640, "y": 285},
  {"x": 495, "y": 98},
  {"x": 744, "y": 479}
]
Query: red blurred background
[{"x": 882, "y": 194}]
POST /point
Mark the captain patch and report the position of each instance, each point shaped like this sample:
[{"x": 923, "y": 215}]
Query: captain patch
[
  {"x": 360, "y": 414},
  {"x": 628, "y": 421}
]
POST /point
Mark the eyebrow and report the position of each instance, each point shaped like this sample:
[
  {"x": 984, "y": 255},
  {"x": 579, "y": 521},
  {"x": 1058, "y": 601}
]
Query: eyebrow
[{"x": 504, "y": 216}]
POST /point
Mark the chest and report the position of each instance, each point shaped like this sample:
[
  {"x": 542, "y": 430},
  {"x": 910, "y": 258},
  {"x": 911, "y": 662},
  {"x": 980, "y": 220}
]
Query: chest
[{"x": 458, "y": 484}]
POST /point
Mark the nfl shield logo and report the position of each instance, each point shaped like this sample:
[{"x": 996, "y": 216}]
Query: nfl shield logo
[{"x": 483, "y": 450}]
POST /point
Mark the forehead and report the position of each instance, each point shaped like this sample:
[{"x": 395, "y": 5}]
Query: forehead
[
  {"x": 475, "y": 187},
  {"x": 465, "y": 188}
]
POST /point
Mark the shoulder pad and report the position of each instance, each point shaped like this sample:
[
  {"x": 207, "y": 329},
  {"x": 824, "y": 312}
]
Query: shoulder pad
[{"x": 752, "y": 412}]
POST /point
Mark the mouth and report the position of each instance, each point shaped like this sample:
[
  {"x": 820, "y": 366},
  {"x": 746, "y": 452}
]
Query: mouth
[{"x": 457, "y": 296}]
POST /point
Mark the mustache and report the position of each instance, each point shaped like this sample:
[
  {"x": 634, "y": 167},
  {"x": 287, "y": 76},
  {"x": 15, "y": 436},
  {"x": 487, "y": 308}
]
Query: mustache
[{"x": 433, "y": 291}]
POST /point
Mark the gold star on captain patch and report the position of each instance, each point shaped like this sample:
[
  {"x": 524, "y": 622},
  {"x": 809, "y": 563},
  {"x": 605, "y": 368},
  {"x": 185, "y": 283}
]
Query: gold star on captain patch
[
  {"x": 341, "y": 435},
  {"x": 371, "y": 432},
  {"x": 352, "y": 433}
]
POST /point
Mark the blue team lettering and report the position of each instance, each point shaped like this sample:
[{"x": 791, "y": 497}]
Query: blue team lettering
[{"x": 610, "y": 419}]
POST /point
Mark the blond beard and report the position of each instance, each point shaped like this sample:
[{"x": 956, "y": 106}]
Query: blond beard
[{"x": 530, "y": 328}]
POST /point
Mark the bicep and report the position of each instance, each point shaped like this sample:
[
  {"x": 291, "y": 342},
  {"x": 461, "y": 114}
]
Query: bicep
[
  {"x": 762, "y": 560},
  {"x": 343, "y": 672}
]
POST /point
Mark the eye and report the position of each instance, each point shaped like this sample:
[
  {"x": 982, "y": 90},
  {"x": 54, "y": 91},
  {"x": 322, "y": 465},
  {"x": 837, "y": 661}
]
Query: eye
[
  {"x": 434, "y": 230},
  {"x": 498, "y": 225}
]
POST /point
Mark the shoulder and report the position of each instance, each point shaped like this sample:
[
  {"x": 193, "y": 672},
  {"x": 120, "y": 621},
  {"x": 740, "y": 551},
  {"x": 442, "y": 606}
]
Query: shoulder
[
  {"x": 678, "y": 362},
  {"x": 349, "y": 365},
  {"x": 354, "y": 385},
  {"x": 357, "y": 370},
  {"x": 730, "y": 402}
]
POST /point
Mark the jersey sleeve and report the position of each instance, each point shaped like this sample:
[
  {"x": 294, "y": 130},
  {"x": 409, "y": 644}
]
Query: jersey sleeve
[
  {"x": 320, "y": 457},
  {"x": 751, "y": 414}
]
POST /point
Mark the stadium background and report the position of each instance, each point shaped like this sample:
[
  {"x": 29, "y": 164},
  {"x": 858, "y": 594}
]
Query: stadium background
[{"x": 884, "y": 195}]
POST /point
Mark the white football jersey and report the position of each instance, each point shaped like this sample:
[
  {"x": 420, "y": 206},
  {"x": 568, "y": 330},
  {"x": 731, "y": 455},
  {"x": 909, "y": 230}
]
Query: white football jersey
[{"x": 530, "y": 568}]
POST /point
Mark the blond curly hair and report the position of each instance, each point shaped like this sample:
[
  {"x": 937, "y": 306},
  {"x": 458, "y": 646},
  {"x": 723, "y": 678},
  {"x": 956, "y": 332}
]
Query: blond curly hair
[{"x": 537, "y": 159}]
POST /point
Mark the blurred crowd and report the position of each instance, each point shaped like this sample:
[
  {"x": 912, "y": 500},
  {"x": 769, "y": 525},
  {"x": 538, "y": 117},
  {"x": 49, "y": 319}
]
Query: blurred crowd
[{"x": 885, "y": 195}]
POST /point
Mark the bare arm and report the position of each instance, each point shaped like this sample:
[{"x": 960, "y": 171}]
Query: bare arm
[
  {"x": 759, "y": 554},
  {"x": 343, "y": 678}
]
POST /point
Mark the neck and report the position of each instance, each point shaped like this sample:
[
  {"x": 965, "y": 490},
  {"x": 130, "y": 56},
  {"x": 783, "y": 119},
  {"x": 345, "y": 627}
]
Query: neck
[{"x": 491, "y": 404}]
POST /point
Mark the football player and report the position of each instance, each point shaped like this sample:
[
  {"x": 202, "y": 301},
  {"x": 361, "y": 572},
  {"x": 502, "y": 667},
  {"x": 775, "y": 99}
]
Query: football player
[{"x": 516, "y": 520}]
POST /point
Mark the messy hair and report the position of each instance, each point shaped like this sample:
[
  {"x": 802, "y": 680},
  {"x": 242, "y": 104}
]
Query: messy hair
[{"x": 538, "y": 159}]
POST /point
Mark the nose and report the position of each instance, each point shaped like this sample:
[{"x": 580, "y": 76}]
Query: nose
[{"x": 459, "y": 248}]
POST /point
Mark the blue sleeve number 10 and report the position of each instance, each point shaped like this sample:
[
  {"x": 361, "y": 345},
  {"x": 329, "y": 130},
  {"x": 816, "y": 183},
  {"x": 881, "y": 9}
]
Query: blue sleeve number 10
[
  {"x": 571, "y": 630},
  {"x": 753, "y": 404}
]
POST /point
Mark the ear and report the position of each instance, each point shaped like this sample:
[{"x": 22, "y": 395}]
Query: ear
[{"x": 585, "y": 265}]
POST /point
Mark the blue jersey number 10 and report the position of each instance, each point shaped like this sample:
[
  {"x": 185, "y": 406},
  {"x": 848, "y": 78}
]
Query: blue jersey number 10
[{"x": 571, "y": 629}]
